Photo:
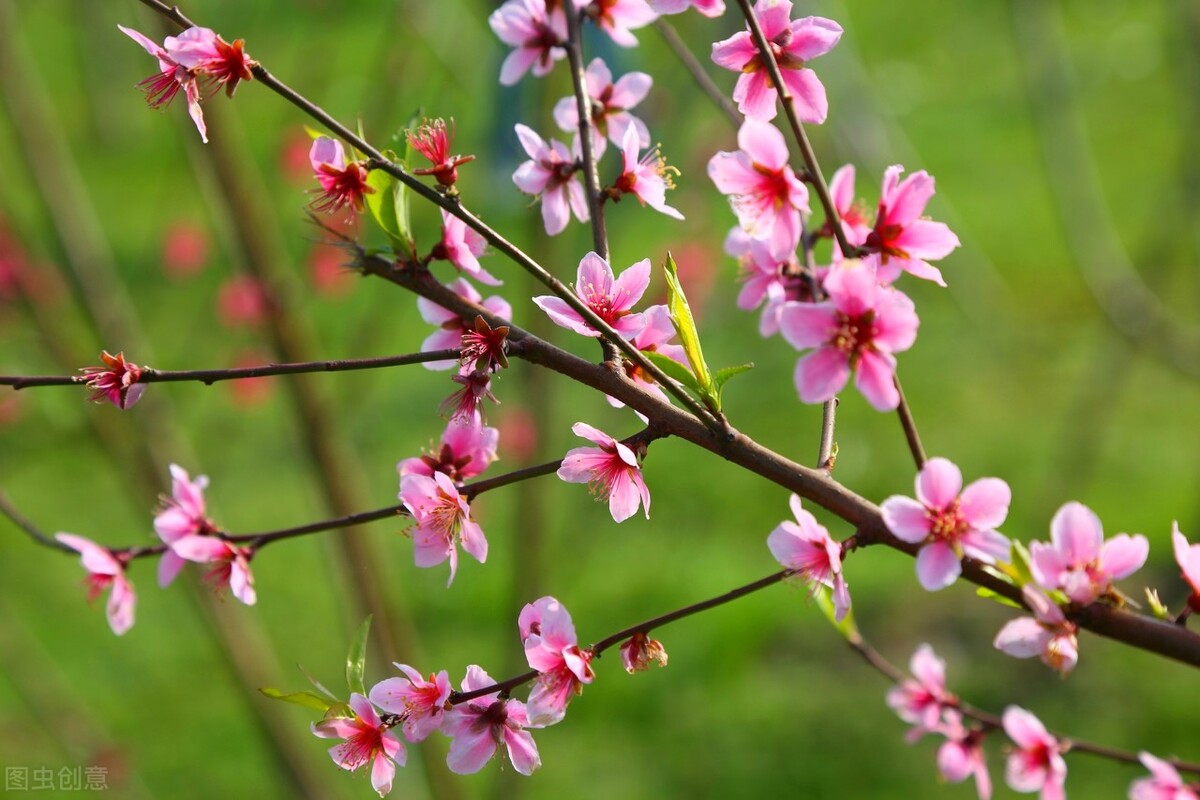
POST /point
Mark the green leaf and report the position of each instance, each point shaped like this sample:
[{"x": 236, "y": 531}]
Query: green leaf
[
  {"x": 384, "y": 204},
  {"x": 999, "y": 598},
  {"x": 673, "y": 369},
  {"x": 1156, "y": 606},
  {"x": 689, "y": 337},
  {"x": 318, "y": 686},
  {"x": 1021, "y": 562},
  {"x": 306, "y": 699},
  {"x": 356, "y": 659},
  {"x": 313, "y": 132},
  {"x": 847, "y": 627},
  {"x": 723, "y": 375}
]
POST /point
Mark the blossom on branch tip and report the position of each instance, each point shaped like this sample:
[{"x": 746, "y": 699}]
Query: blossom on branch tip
[
  {"x": 1079, "y": 561},
  {"x": 466, "y": 451},
  {"x": 342, "y": 184},
  {"x": 805, "y": 547},
  {"x": 903, "y": 239},
  {"x": 462, "y": 246},
  {"x": 442, "y": 518},
  {"x": 1037, "y": 763},
  {"x": 106, "y": 570},
  {"x": 231, "y": 563},
  {"x": 709, "y": 8},
  {"x": 182, "y": 515},
  {"x": 1188, "y": 558},
  {"x": 920, "y": 702},
  {"x": 538, "y": 34},
  {"x": 647, "y": 179},
  {"x": 551, "y": 648},
  {"x": 612, "y": 299},
  {"x": 611, "y": 470},
  {"x": 639, "y": 650},
  {"x": 618, "y": 17},
  {"x": 367, "y": 739},
  {"x": 610, "y": 105},
  {"x": 793, "y": 43},
  {"x": 1048, "y": 634},
  {"x": 950, "y": 521},
  {"x": 551, "y": 175},
  {"x": 420, "y": 702},
  {"x": 480, "y": 725},
  {"x": 450, "y": 326},
  {"x": 1164, "y": 782},
  {"x": 116, "y": 381},
  {"x": 433, "y": 140}
]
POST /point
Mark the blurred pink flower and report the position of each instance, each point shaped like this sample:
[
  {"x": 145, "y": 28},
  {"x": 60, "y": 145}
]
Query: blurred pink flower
[
  {"x": 806, "y": 547},
  {"x": 537, "y": 34},
  {"x": 1164, "y": 782},
  {"x": 611, "y": 470},
  {"x": 106, "y": 570},
  {"x": 242, "y": 301},
  {"x": 184, "y": 249},
  {"x": 647, "y": 179},
  {"x": 231, "y": 563},
  {"x": 855, "y": 224},
  {"x": 1036, "y": 764},
  {"x": 442, "y": 518},
  {"x": 551, "y": 648},
  {"x": 551, "y": 175},
  {"x": 479, "y": 726},
  {"x": 466, "y": 451},
  {"x": 610, "y": 106},
  {"x": 768, "y": 281},
  {"x": 612, "y": 299},
  {"x": 116, "y": 381},
  {"x": 342, "y": 184},
  {"x": 618, "y": 17},
  {"x": 709, "y": 8},
  {"x": 464, "y": 406},
  {"x": 367, "y": 739},
  {"x": 902, "y": 238},
  {"x": 1079, "y": 561},
  {"x": 1048, "y": 634},
  {"x": 920, "y": 702},
  {"x": 421, "y": 703},
  {"x": 1188, "y": 558},
  {"x": 182, "y": 515},
  {"x": 961, "y": 755}
]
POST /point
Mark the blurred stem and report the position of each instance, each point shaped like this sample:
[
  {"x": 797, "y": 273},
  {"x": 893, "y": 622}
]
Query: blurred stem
[
  {"x": 583, "y": 106},
  {"x": 910, "y": 427},
  {"x": 698, "y": 73}
]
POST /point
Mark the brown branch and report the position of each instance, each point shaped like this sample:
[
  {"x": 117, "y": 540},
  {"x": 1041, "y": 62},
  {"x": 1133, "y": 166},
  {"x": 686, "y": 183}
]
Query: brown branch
[
  {"x": 910, "y": 427},
  {"x": 583, "y": 106}
]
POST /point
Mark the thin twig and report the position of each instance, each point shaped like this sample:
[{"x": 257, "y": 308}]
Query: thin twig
[
  {"x": 583, "y": 106},
  {"x": 698, "y": 73},
  {"x": 910, "y": 427}
]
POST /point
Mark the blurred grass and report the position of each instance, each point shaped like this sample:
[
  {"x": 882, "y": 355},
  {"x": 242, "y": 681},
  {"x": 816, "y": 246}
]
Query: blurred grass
[{"x": 1011, "y": 377}]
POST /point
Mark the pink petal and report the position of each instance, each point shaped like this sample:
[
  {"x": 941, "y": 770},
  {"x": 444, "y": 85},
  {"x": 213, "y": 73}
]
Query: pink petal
[
  {"x": 821, "y": 374},
  {"x": 733, "y": 53},
  {"x": 201, "y": 549},
  {"x": 522, "y": 751},
  {"x": 908, "y": 201},
  {"x": 806, "y": 325},
  {"x": 562, "y": 314},
  {"x": 876, "y": 379},
  {"x": 517, "y": 63},
  {"x": 806, "y": 88},
  {"x": 121, "y": 604},
  {"x": 774, "y": 16},
  {"x": 1026, "y": 730},
  {"x": 927, "y": 668},
  {"x": 939, "y": 483},
  {"x": 585, "y": 431},
  {"x": 1187, "y": 557},
  {"x": 1077, "y": 533},
  {"x": 733, "y": 173},
  {"x": 984, "y": 504},
  {"x": 989, "y": 547},
  {"x": 906, "y": 518},
  {"x": 470, "y": 750},
  {"x": 95, "y": 559},
  {"x": 937, "y": 566},
  {"x": 1123, "y": 555},
  {"x": 841, "y": 188},
  {"x": 1022, "y": 637},
  {"x": 924, "y": 239},
  {"x": 629, "y": 287},
  {"x": 755, "y": 96},
  {"x": 764, "y": 144},
  {"x": 169, "y": 565},
  {"x": 631, "y": 89},
  {"x": 813, "y": 36},
  {"x": 325, "y": 150},
  {"x": 151, "y": 47},
  {"x": 383, "y": 772},
  {"x": 624, "y": 497}
]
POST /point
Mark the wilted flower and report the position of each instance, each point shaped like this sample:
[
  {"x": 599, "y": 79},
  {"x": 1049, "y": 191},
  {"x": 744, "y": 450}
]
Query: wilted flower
[
  {"x": 342, "y": 184},
  {"x": 433, "y": 140},
  {"x": 106, "y": 570},
  {"x": 116, "y": 381}
]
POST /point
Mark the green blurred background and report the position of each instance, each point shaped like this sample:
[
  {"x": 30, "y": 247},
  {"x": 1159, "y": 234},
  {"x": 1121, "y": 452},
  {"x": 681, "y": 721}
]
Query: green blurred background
[{"x": 1063, "y": 357}]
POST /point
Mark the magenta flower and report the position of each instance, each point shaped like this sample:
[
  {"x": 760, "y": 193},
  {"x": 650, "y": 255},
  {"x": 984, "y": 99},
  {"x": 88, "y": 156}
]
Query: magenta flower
[
  {"x": 639, "y": 650},
  {"x": 611, "y": 470},
  {"x": 618, "y": 17},
  {"x": 805, "y": 547},
  {"x": 901, "y": 237},
  {"x": 612, "y": 299},
  {"x": 1188, "y": 558},
  {"x": 450, "y": 326},
  {"x": 1048, "y": 634},
  {"x": 479, "y": 726},
  {"x": 647, "y": 179},
  {"x": 342, "y": 184},
  {"x": 853, "y": 216},
  {"x": 1036, "y": 764},
  {"x": 1164, "y": 782},
  {"x": 462, "y": 246},
  {"x": 920, "y": 702},
  {"x": 961, "y": 755},
  {"x": 116, "y": 381},
  {"x": 419, "y": 702},
  {"x": 949, "y": 524},
  {"x": 442, "y": 518},
  {"x": 856, "y": 330},
  {"x": 433, "y": 140},
  {"x": 537, "y": 34},
  {"x": 466, "y": 451},
  {"x": 709, "y": 8},
  {"x": 106, "y": 570},
  {"x": 182, "y": 515},
  {"x": 551, "y": 647},
  {"x": 550, "y": 174},
  {"x": 367, "y": 738},
  {"x": 1078, "y": 561},
  {"x": 793, "y": 43},
  {"x": 611, "y": 103},
  {"x": 231, "y": 563},
  {"x": 484, "y": 348},
  {"x": 764, "y": 192},
  {"x": 768, "y": 281},
  {"x": 464, "y": 407}
]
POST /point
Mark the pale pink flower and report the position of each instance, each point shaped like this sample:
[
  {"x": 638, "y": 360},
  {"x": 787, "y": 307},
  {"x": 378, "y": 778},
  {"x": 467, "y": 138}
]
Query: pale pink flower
[
  {"x": 856, "y": 330},
  {"x": 342, "y": 184},
  {"x": 466, "y": 451},
  {"x": 610, "y": 103},
  {"x": 419, "y": 702},
  {"x": 1036, "y": 764},
  {"x": 920, "y": 702},
  {"x": 231, "y": 563},
  {"x": 1079, "y": 561},
  {"x": 116, "y": 381},
  {"x": 1188, "y": 558},
  {"x": 853, "y": 216},
  {"x": 806, "y": 547},
  {"x": 479, "y": 726},
  {"x": 551, "y": 175},
  {"x": 106, "y": 570},
  {"x": 462, "y": 246},
  {"x": 433, "y": 140},
  {"x": 961, "y": 755},
  {"x": 182, "y": 515},
  {"x": 793, "y": 43},
  {"x": 768, "y": 281},
  {"x": 611, "y": 470},
  {"x": 903, "y": 239},
  {"x": 618, "y": 17},
  {"x": 709, "y": 8},
  {"x": 950, "y": 521},
  {"x": 442, "y": 518},
  {"x": 612, "y": 299},
  {"x": 1164, "y": 782},
  {"x": 765, "y": 194},
  {"x": 1048, "y": 634},
  {"x": 537, "y": 35},
  {"x": 367, "y": 738},
  {"x": 639, "y": 650},
  {"x": 551, "y": 648},
  {"x": 647, "y": 179},
  {"x": 450, "y": 326},
  {"x": 654, "y": 337}
]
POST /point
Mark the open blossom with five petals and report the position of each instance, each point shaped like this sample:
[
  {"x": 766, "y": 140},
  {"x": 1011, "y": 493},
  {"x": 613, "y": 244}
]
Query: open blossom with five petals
[
  {"x": 612, "y": 299},
  {"x": 479, "y": 726},
  {"x": 639, "y": 650},
  {"x": 551, "y": 647},
  {"x": 856, "y": 330},
  {"x": 466, "y": 451},
  {"x": 920, "y": 702},
  {"x": 610, "y": 104},
  {"x": 618, "y": 18},
  {"x": 442, "y": 518},
  {"x": 342, "y": 184},
  {"x": 709, "y": 8},
  {"x": 950, "y": 521},
  {"x": 182, "y": 515},
  {"x": 611, "y": 470},
  {"x": 538, "y": 34},
  {"x": 367, "y": 739},
  {"x": 765, "y": 194},
  {"x": 1079, "y": 561},
  {"x": 853, "y": 216},
  {"x": 961, "y": 755},
  {"x": 450, "y": 326},
  {"x": 1048, "y": 634},
  {"x": 806, "y": 547},
  {"x": 462, "y": 246},
  {"x": 433, "y": 140},
  {"x": 230, "y": 563},
  {"x": 904, "y": 240},
  {"x": 1164, "y": 782},
  {"x": 420, "y": 702},
  {"x": 1037, "y": 763},
  {"x": 1188, "y": 558},
  {"x": 116, "y": 381},
  {"x": 647, "y": 179},
  {"x": 551, "y": 175},
  {"x": 106, "y": 570},
  {"x": 793, "y": 43}
]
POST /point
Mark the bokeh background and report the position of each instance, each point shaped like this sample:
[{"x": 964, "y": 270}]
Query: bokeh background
[{"x": 1063, "y": 357}]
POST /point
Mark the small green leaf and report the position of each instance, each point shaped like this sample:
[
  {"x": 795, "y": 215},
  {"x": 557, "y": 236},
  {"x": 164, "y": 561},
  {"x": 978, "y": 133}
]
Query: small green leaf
[
  {"x": 356, "y": 659},
  {"x": 1021, "y": 561},
  {"x": 306, "y": 699},
  {"x": 1156, "y": 606},
  {"x": 847, "y": 627},
  {"x": 313, "y": 132},
  {"x": 318, "y": 686},
  {"x": 999, "y": 598},
  {"x": 384, "y": 205},
  {"x": 689, "y": 337},
  {"x": 722, "y": 376},
  {"x": 673, "y": 369}
]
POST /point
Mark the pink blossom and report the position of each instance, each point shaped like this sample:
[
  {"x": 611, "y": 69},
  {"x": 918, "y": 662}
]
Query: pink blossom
[
  {"x": 1048, "y": 634},
  {"x": 654, "y": 337},
  {"x": 948, "y": 523},
  {"x": 484, "y": 348},
  {"x": 550, "y": 174},
  {"x": 480, "y": 725},
  {"x": 647, "y": 179},
  {"x": 106, "y": 570},
  {"x": 242, "y": 300},
  {"x": 769, "y": 279},
  {"x": 433, "y": 140},
  {"x": 342, "y": 184},
  {"x": 961, "y": 755},
  {"x": 806, "y": 547},
  {"x": 1036, "y": 764},
  {"x": 639, "y": 650},
  {"x": 618, "y": 17},
  {"x": 793, "y": 43},
  {"x": 920, "y": 702},
  {"x": 450, "y": 326},
  {"x": 231, "y": 563},
  {"x": 852, "y": 215},
  {"x": 464, "y": 406},
  {"x": 116, "y": 381},
  {"x": 612, "y": 299},
  {"x": 1188, "y": 558},
  {"x": 764, "y": 192},
  {"x": 610, "y": 104},
  {"x": 462, "y": 246},
  {"x": 1079, "y": 561},
  {"x": 537, "y": 34},
  {"x": 856, "y": 330},
  {"x": 442, "y": 518},
  {"x": 182, "y": 515},
  {"x": 367, "y": 738},
  {"x": 420, "y": 702},
  {"x": 466, "y": 451},
  {"x": 1164, "y": 782},
  {"x": 611, "y": 470},
  {"x": 551, "y": 647},
  {"x": 709, "y": 8},
  {"x": 902, "y": 238}
]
